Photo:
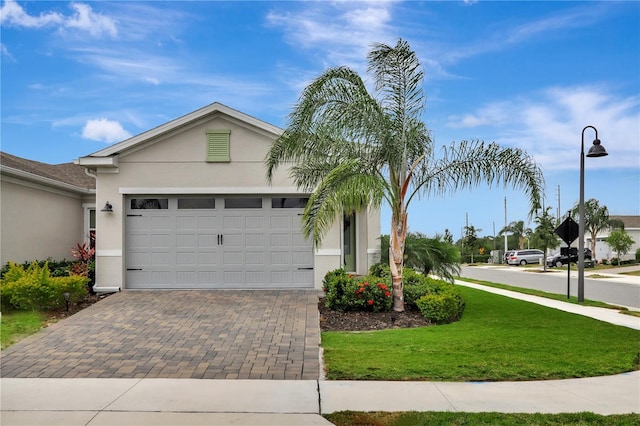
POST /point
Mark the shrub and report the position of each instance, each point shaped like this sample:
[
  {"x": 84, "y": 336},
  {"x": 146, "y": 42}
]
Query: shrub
[
  {"x": 638, "y": 255},
  {"x": 380, "y": 270},
  {"x": 336, "y": 286},
  {"x": 35, "y": 289},
  {"x": 57, "y": 268},
  {"x": 345, "y": 292},
  {"x": 439, "y": 308},
  {"x": 372, "y": 294}
]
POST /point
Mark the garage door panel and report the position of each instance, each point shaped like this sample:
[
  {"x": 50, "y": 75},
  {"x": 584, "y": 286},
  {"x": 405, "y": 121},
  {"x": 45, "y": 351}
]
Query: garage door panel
[
  {"x": 280, "y": 223},
  {"x": 185, "y": 241},
  {"x": 160, "y": 241},
  {"x": 208, "y": 258},
  {"x": 233, "y": 223},
  {"x": 231, "y": 258},
  {"x": 254, "y": 258},
  {"x": 207, "y": 241},
  {"x": 160, "y": 259},
  {"x": 160, "y": 223},
  {"x": 280, "y": 240},
  {"x": 184, "y": 278},
  {"x": 279, "y": 258},
  {"x": 254, "y": 222},
  {"x": 186, "y": 259},
  {"x": 187, "y": 223},
  {"x": 302, "y": 258},
  {"x": 254, "y": 240},
  {"x": 138, "y": 241}
]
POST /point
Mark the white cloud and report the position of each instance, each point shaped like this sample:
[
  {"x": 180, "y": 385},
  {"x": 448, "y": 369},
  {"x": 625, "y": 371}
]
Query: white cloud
[
  {"x": 94, "y": 23},
  {"x": 548, "y": 124},
  {"x": 104, "y": 130},
  {"x": 12, "y": 13},
  {"x": 5, "y": 52},
  {"x": 340, "y": 31},
  {"x": 83, "y": 19}
]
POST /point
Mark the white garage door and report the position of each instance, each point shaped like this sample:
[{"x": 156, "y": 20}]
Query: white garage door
[{"x": 188, "y": 242}]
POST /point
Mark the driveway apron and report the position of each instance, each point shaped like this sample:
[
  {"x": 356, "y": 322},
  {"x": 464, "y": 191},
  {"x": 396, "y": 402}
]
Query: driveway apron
[{"x": 218, "y": 334}]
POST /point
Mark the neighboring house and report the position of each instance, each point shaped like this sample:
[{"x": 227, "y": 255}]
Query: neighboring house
[
  {"x": 45, "y": 209},
  {"x": 631, "y": 227},
  {"x": 191, "y": 209}
]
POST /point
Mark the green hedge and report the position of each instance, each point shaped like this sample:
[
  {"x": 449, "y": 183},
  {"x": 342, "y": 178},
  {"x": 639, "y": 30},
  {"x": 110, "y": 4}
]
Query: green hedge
[{"x": 34, "y": 288}]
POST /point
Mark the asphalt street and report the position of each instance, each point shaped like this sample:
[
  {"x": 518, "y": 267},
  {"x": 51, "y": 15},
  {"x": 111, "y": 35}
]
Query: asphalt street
[{"x": 623, "y": 290}]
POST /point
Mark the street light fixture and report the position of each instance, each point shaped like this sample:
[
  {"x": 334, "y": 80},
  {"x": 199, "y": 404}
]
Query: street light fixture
[{"x": 596, "y": 150}]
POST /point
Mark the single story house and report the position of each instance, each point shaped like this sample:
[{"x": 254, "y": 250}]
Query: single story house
[
  {"x": 45, "y": 209},
  {"x": 631, "y": 227},
  {"x": 186, "y": 205}
]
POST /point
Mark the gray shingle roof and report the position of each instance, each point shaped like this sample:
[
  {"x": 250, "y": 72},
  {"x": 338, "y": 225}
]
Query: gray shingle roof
[{"x": 68, "y": 173}]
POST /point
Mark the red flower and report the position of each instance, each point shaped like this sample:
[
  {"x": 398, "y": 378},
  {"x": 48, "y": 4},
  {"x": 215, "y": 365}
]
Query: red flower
[
  {"x": 386, "y": 293},
  {"x": 370, "y": 302}
]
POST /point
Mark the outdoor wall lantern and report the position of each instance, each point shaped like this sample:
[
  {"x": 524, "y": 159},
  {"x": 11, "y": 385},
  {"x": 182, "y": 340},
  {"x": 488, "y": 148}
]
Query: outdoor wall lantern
[
  {"x": 107, "y": 207},
  {"x": 596, "y": 150}
]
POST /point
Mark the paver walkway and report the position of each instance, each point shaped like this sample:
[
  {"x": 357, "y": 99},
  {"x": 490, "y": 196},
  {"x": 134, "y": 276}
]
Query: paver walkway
[{"x": 222, "y": 334}]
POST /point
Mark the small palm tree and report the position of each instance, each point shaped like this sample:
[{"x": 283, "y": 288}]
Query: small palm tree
[
  {"x": 353, "y": 150},
  {"x": 518, "y": 230},
  {"x": 596, "y": 219}
]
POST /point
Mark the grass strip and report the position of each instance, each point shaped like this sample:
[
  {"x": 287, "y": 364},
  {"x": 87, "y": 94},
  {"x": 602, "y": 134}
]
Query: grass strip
[
  {"x": 533, "y": 292},
  {"x": 17, "y": 325},
  {"x": 497, "y": 339},
  {"x": 350, "y": 418}
]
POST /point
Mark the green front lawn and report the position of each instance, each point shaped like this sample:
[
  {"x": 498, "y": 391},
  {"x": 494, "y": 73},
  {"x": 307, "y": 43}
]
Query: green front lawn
[
  {"x": 498, "y": 338},
  {"x": 345, "y": 418},
  {"x": 18, "y": 325}
]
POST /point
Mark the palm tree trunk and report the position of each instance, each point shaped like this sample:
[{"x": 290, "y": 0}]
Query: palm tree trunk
[{"x": 396, "y": 258}]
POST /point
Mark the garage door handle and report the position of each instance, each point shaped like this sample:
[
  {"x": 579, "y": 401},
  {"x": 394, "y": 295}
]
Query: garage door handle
[
  {"x": 134, "y": 269},
  {"x": 220, "y": 239},
  {"x": 134, "y": 215},
  {"x": 305, "y": 269}
]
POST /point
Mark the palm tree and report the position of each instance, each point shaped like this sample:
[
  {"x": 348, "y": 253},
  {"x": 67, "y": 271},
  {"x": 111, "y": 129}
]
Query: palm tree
[
  {"x": 354, "y": 151},
  {"x": 517, "y": 229},
  {"x": 428, "y": 255},
  {"x": 596, "y": 219}
]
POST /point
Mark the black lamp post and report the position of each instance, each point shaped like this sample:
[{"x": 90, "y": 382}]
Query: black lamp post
[{"x": 596, "y": 150}]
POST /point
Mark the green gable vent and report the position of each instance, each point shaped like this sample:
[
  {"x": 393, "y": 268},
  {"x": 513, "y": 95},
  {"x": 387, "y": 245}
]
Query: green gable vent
[{"x": 218, "y": 146}]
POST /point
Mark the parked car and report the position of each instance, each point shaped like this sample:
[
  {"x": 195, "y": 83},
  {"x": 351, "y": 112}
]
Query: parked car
[
  {"x": 559, "y": 259},
  {"x": 522, "y": 257},
  {"x": 506, "y": 255}
]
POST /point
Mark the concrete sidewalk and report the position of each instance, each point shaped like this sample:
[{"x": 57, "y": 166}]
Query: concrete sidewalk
[{"x": 293, "y": 402}]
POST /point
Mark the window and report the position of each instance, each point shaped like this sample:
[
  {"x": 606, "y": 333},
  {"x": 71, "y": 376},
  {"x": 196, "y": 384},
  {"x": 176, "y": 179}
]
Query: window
[
  {"x": 196, "y": 203},
  {"x": 218, "y": 150},
  {"x": 149, "y": 203},
  {"x": 243, "y": 203},
  {"x": 92, "y": 228},
  {"x": 289, "y": 203}
]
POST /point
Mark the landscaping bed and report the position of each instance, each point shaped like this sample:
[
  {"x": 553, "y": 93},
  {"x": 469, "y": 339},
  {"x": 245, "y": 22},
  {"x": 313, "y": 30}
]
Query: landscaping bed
[{"x": 332, "y": 320}]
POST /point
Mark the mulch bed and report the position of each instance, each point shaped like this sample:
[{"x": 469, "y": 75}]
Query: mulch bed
[
  {"x": 363, "y": 321},
  {"x": 57, "y": 315}
]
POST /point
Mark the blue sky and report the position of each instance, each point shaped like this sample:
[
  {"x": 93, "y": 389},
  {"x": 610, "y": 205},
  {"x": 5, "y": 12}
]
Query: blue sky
[{"x": 78, "y": 76}]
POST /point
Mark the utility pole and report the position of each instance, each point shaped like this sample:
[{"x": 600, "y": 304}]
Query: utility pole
[
  {"x": 558, "y": 211},
  {"x": 505, "y": 225}
]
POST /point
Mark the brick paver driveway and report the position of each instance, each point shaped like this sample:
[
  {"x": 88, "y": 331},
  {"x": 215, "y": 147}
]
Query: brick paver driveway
[{"x": 220, "y": 334}]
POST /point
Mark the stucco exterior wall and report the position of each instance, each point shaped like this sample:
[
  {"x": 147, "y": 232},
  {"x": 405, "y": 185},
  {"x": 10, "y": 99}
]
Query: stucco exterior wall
[{"x": 38, "y": 222}]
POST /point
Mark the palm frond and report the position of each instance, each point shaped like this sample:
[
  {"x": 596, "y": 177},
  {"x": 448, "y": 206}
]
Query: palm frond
[
  {"x": 470, "y": 164},
  {"x": 348, "y": 187}
]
